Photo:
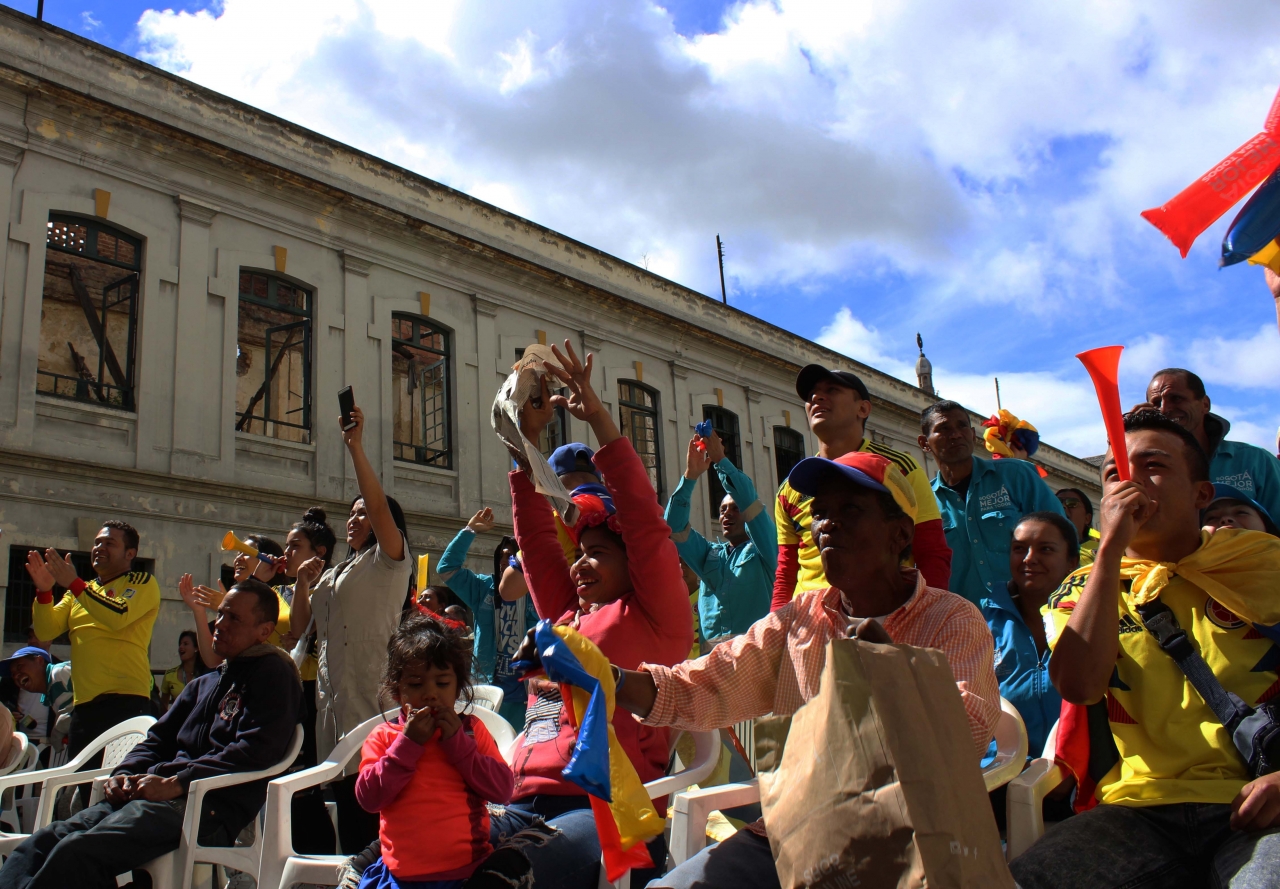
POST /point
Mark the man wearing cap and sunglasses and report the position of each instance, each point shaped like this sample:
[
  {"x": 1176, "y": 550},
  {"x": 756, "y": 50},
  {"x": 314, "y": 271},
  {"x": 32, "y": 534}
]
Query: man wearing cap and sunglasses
[
  {"x": 864, "y": 518},
  {"x": 837, "y": 405}
]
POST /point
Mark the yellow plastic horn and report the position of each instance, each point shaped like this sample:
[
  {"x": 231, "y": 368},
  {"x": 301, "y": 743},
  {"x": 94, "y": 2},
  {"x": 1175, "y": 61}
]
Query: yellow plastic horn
[{"x": 232, "y": 543}]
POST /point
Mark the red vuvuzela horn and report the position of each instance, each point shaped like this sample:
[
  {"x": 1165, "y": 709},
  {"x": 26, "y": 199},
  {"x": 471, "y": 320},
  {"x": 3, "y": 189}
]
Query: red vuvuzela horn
[{"x": 1104, "y": 369}]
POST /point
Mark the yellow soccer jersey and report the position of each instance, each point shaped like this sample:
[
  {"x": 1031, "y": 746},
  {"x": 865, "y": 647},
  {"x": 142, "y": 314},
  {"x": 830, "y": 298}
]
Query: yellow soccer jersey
[
  {"x": 1172, "y": 747},
  {"x": 792, "y": 517},
  {"x": 282, "y": 623},
  {"x": 110, "y": 627}
]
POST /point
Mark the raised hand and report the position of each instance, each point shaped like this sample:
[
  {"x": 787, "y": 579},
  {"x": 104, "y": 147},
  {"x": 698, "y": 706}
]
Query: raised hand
[
  {"x": 309, "y": 572},
  {"x": 41, "y": 576},
  {"x": 696, "y": 461},
  {"x": 482, "y": 521},
  {"x": 354, "y": 437},
  {"x": 715, "y": 448},
  {"x": 60, "y": 567},
  {"x": 583, "y": 402},
  {"x": 1124, "y": 508}
]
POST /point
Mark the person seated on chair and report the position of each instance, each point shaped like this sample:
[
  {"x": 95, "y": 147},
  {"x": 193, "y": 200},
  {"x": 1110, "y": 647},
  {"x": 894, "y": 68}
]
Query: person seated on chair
[
  {"x": 864, "y": 512},
  {"x": 239, "y": 718},
  {"x": 1042, "y": 553},
  {"x": 45, "y": 689},
  {"x": 1177, "y": 803}
]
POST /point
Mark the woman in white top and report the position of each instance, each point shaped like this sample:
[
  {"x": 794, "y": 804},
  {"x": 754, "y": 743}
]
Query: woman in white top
[{"x": 357, "y": 607}]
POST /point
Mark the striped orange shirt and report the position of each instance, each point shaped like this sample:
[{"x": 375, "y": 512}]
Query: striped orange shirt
[{"x": 776, "y": 665}]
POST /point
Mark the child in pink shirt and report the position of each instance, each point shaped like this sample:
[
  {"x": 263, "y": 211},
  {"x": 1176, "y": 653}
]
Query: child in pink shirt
[{"x": 430, "y": 773}]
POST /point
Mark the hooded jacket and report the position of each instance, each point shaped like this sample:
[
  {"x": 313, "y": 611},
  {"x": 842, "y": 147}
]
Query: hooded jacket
[{"x": 238, "y": 718}]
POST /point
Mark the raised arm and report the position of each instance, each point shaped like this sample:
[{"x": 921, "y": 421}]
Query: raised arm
[
  {"x": 760, "y": 524},
  {"x": 49, "y": 620},
  {"x": 473, "y": 588},
  {"x": 691, "y": 545},
  {"x": 375, "y": 499},
  {"x": 546, "y": 571},
  {"x": 198, "y": 601}
]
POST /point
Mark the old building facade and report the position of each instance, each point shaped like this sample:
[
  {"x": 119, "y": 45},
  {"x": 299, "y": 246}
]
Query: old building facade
[{"x": 188, "y": 282}]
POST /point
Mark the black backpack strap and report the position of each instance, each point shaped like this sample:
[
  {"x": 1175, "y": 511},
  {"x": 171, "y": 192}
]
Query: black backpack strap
[{"x": 1161, "y": 623}]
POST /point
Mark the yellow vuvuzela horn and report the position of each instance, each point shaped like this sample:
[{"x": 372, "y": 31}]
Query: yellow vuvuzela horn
[{"x": 232, "y": 543}]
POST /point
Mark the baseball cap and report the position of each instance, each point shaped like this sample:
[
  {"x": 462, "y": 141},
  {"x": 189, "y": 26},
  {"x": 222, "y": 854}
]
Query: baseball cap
[
  {"x": 573, "y": 457},
  {"x": 27, "y": 651},
  {"x": 860, "y": 467},
  {"x": 1230, "y": 492},
  {"x": 812, "y": 374}
]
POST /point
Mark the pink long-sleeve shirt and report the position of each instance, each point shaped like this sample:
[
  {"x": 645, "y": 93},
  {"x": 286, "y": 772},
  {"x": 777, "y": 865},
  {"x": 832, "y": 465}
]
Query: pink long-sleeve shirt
[
  {"x": 443, "y": 783},
  {"x": 651, "y": 623}
]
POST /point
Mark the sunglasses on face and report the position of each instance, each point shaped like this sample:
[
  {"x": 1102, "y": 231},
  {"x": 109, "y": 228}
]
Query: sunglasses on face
[{"x": 1069, "y": 502}]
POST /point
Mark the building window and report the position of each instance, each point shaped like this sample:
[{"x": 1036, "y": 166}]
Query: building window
[
  {"x": 273, "y": 358},
  {"x": 788, "y": 450},
  {"x": 89, "y": 312},
  {"x": 725, "y": 424},
  {"x": 21, "y": 592},
  {"x": 420, "y": 386},
  {"x": 638, "y": 416},
  {"x": 556, "y": 432}
]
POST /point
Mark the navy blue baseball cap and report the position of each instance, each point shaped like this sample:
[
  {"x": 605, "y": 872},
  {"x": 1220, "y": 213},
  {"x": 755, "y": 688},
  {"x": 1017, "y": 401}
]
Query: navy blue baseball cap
[
  {"x": 27, "y": 651},
  {"x": 573, "y": 457},
  {"x": 812, "y": 374},
  {"x": 1230, "y": 492}
]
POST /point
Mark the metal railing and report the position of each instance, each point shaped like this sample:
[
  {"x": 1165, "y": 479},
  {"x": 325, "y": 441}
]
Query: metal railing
[{"x": 77, "y": 389}]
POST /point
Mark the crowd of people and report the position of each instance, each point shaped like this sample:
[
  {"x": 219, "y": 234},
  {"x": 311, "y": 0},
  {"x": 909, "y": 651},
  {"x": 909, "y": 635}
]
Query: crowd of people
[{"x": 1011, "y": 580}]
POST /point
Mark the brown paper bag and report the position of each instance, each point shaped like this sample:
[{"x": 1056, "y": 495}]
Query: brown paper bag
[{"x": 877, "y": 783}]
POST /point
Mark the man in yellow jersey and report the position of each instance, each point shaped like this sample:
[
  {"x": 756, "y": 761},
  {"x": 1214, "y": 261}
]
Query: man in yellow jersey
[
  {"x": 1177, "y": 803},
  {"x": 837, "y": 405},
  {"x": 109, "y": 620}
]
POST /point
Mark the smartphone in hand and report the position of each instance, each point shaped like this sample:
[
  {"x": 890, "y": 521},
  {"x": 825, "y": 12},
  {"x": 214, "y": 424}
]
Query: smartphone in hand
[{"x": 346, "y": 404}]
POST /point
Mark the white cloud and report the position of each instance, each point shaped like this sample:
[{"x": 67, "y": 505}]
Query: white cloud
[{"x": 993, "y": 153}]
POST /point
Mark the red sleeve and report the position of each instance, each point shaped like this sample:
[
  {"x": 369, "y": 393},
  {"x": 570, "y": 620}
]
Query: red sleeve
[
  {"x": 784, "y": 580},
  {"x": 545, "y": 569},
  {"x": 652, "y": 561},
  {"x": 385, "y": 768},
  {"x": 932, "y": 555},
  {"x": 477, "y": 759}
]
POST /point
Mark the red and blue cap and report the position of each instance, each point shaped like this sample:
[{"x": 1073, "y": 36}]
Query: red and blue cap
[{"x": 863, "y": 468}]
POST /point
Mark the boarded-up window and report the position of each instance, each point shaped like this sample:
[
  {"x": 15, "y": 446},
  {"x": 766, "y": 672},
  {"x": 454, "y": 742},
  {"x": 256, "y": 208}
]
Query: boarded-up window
[
  {"x": 273, "y": 357},
  {"x": 420, "y": 387},
  {"x": 788, "y": 450},
  {"x": 89, "y": 312}
]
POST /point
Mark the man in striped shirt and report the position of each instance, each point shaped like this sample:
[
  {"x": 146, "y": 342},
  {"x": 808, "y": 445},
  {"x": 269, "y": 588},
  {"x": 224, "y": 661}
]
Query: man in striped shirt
[{"x": 863, "y": 521}]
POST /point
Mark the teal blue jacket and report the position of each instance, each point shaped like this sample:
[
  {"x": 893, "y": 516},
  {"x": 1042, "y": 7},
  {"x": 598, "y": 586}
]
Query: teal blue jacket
[
  {"x": 1246, "y": 467},
  {"x": 1021, "y": 670},
  {"x": 478, "y": 591},
  {"x": 979, "y": 528},
  {"x": 737, "y": 581}
]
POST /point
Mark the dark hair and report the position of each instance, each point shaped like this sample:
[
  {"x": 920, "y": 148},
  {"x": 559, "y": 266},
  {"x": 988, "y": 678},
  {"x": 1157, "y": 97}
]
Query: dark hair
[
  {"x": 264, "y": 544},
  {"x": 195, "y": 640},
  {"x": 268, "y": 605},
  {"x": 130, "y": 533},
  {"x": 1064, "y": 526},
  {"x": 1197, "y": 460},
  {"x": 1081, "y": 496},
  {"x": 446, "y": 596},
  {"x": 937, "y": 409},
  {"x": 397, "y": 516},
  {"x": 1194, "y": 383},
  {"x": 315, "y": 527},
  {"x": 428, "y": 640},
  {"x": 499, "y": 563}
]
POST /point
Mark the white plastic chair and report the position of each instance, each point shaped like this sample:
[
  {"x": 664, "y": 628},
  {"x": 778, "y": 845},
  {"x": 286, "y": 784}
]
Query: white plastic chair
[
  {"x": 22, "y": 758},
  {"x": 177, "y": 868},
  {"x": 487, "y": 696},
  {"x": 281, "y": 866},
  {"x": 694, "y": 808},
  {"x": 1024, "y": 803},
  {"x": 706, "y": 756},
  {"x": 114, "y": 744}
]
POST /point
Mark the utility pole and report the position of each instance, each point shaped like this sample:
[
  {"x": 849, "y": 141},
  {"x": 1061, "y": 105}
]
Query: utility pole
[
  {"x": 40, "y": 10},
  {"x": 999, "y": 406},
  {"x": 724, "y": 296}
]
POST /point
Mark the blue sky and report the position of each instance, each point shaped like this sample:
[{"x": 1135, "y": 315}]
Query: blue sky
[{"x": 971, "y": 171}]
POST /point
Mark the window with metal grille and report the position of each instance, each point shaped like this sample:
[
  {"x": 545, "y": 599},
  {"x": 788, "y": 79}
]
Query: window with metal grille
[
  {"x": 273, "y": 357},
  {"x": 638, "y": 414},
  {"x": 725, "y": 424},
  {"x": 21, "y": 592},
  {"x": 556, "y": 433},
  {"x": 420, "y": 387},
  {"x": 788, "y": 450},
  {"x": 89, "y": 312}
]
